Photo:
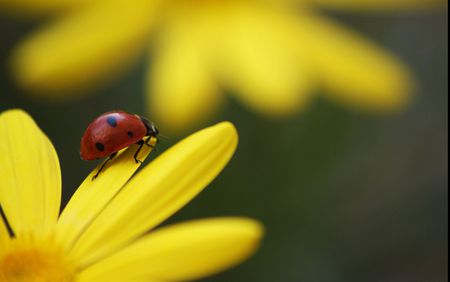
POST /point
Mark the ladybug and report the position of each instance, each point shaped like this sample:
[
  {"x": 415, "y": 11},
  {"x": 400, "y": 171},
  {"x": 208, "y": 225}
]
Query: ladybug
[{"x": 113, "y": 131}]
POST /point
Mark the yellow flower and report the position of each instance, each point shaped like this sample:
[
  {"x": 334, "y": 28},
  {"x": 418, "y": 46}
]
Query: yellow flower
[
  {"x": 101, "y": 235},
  {"x": 270, "y": 56}
]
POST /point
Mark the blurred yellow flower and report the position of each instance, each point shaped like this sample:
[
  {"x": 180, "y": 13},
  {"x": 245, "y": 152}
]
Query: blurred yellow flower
[
  {"x": 101, "y": 233},
  {"x": 270, "y": 55}
]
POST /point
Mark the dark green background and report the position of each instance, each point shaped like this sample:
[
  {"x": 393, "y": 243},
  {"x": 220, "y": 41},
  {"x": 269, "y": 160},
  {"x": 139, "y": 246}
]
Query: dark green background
[{"x": 345, "y": 196}]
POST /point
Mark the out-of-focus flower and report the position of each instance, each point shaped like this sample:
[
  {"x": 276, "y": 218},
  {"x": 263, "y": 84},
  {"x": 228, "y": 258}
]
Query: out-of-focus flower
[
  {"x": 101, "y": 234},
  {"x": 271, "y": 55}
]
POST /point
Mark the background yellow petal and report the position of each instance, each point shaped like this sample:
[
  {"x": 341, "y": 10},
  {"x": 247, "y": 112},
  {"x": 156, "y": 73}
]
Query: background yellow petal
[
  {"x": 255, "y": 60},
  {"x": 93, "y": 195},
  {"x": 85, "y": 48},
  {"x": 182, "y": 252},
  {"x": 30, "y": 188},
  {"x": 181, "y": 90},
  {"x": 353, "y": 69},
  {"x": 372, "y": 5},
  {"x": 159, "y": 190}
]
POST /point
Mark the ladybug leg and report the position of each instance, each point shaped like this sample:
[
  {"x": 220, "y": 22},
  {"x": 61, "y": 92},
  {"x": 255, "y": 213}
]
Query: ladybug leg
[
  {"x": 151, "y": 145},
  {"x": 140, "y": 143},
  {"x": 104, "y": 164}
]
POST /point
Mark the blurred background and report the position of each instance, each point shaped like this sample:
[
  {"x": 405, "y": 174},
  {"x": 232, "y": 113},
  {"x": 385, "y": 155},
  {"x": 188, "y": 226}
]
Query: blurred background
[{"x": 345, "y": 195}]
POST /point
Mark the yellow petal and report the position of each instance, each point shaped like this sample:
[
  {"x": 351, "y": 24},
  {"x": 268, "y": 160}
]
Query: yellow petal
[
  {"x": 182, "y": 252},
  {"x": 112, "y": 279},
  {"x": 180, "y": 86},
  {"x": 4, "y": 235},
  {"x": 371, "y": 5},
  {"x": 255, "y": 60},
  {"x": 30, "y": 189},
  {"x": 85, "y": 278},
  {"x": 158, "y": 191},
  {"x": 93, "y": 195},
  {"x": 84, "y": 48},
  {"x": 353, "y": 69}
]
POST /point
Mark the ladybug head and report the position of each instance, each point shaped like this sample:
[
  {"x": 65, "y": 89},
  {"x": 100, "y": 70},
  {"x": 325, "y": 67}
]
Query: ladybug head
[{"x": 151, "y": 128}]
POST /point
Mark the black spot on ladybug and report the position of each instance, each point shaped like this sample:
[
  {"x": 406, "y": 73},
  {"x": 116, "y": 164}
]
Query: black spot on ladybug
[
  {"x": 112, "y": 121},
  {"x": 130, "y": 134},
  {"x": 100, "y": 146}
]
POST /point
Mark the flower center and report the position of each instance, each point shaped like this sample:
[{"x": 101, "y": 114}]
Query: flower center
[{"x": 21, "y": 263}]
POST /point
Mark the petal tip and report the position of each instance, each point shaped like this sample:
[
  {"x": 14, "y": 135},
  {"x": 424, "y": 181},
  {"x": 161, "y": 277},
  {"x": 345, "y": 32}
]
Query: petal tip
[
  {"x": 225, "y": 129},
  {"x": 14, "y": 111},
  {"x": 10, "y": 115},
  {"x": 254, "y": 228},
  {"x": 226, "y": 126}
]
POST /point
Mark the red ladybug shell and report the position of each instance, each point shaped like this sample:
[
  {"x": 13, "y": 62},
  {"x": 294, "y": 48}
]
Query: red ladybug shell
[{"x": 110, "y": 133}]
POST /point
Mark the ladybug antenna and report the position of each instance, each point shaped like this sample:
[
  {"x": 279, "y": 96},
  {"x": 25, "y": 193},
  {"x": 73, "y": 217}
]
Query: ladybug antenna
[{"x": 164, "y": 137}]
